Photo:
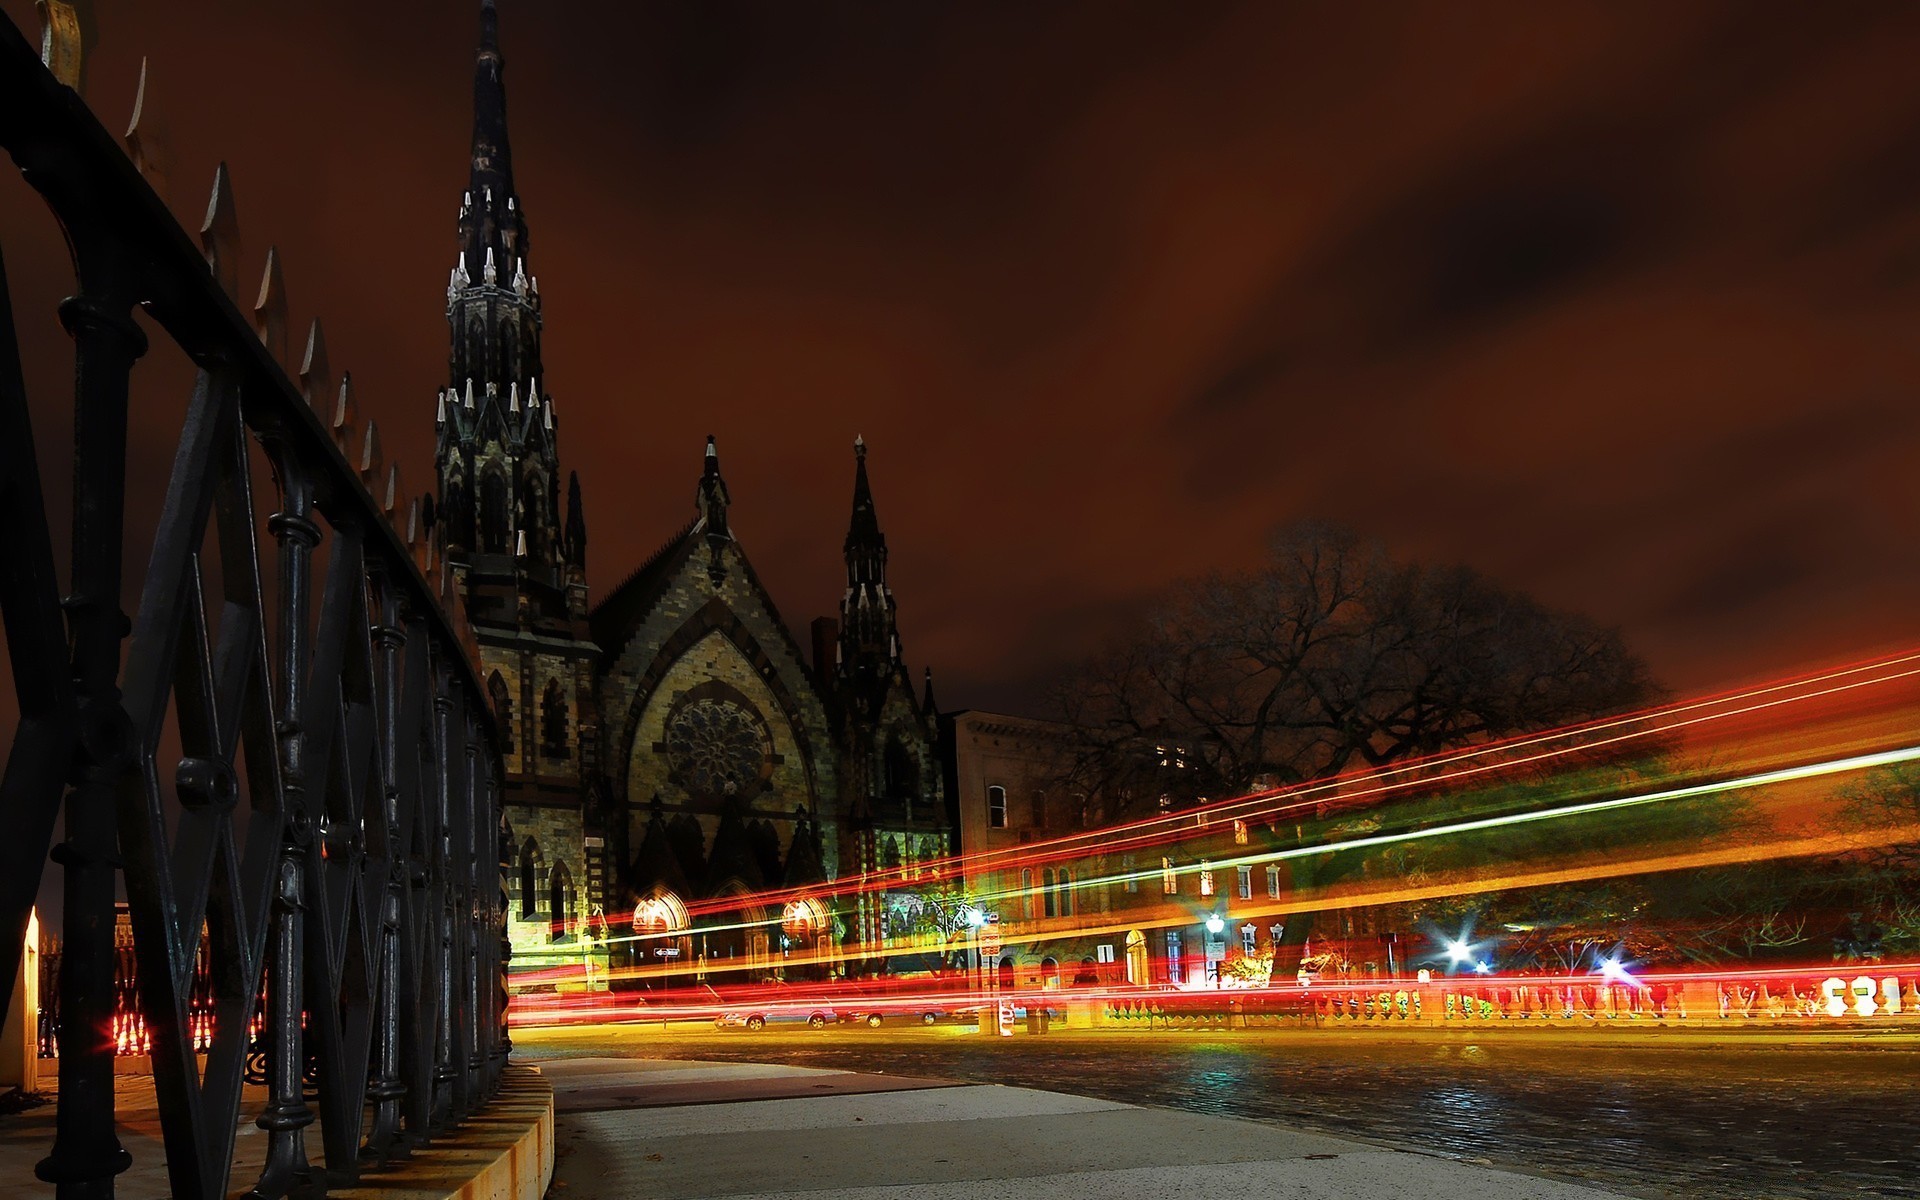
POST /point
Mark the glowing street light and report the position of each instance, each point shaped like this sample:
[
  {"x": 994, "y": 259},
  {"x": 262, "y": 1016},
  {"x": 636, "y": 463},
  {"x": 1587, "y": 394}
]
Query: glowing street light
[
  {"x": 1215, "y": 924},
  {"x": 1458, "y": 951}
]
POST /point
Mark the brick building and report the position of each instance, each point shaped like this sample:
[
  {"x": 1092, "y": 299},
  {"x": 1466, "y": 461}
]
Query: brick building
[{"x": 671, "y": 749}]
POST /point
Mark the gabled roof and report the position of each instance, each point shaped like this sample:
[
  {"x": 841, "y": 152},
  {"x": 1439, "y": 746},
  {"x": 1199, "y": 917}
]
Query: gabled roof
[{"x": 638, "y": 592}]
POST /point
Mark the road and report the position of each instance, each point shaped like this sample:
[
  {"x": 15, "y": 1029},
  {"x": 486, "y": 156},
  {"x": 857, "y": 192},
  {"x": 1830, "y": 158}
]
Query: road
[{"x": 1746, "y": 1121}]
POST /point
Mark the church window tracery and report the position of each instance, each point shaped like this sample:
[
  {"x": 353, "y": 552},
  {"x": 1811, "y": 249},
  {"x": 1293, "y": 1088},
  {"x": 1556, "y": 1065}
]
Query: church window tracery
[{"x": 717, "y": 745}]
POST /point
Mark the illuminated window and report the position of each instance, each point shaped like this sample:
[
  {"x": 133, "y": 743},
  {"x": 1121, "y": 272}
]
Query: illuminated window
[
  {"x": 1026, "y": 893},
  {"x": 1169, "y": 882},
  {"x": 996, "y": 807},
  {"x": 1246, "y": 883},
  {"x": 1127, "y": 868},
  {"x": 1047, "y": 892},
  {"x": 1239, "y": 833},
  {"x": 1206, "y": 878},
  {"x": 1247, "y": 933},
  {"x": 1176, "y": 968},
  {"x": 1273, "y": 882}
]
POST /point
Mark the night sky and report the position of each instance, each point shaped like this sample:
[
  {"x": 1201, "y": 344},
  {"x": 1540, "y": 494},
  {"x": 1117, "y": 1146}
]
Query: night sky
[{"x": 1616, "y": 302}]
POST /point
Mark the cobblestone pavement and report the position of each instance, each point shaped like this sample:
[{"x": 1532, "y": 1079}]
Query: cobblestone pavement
[{"x": 1654, "y": 1121}]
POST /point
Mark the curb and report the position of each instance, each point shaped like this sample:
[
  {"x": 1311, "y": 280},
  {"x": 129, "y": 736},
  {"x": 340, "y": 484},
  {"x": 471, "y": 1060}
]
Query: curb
[{"x": 503, "y": 1152}]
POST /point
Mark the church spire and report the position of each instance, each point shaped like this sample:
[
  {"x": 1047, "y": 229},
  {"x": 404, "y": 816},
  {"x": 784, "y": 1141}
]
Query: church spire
[
  {"x": 490, "y": 217},
  {"x": 576, "y": 523},
  {"x": 869, "y": 639},
  {"x": 712, "y": 498},
  {"x": 496, "y": 457}
]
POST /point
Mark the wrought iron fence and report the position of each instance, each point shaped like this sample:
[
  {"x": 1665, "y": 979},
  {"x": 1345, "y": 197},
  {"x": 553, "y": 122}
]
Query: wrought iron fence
[{"x": 290, "y": 769}]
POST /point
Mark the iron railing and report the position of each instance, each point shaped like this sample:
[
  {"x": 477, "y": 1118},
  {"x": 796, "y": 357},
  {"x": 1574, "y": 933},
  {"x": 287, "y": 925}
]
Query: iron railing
[{"x": 289, "y": 770}]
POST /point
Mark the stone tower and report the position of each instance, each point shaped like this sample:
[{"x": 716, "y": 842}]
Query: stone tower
[
  {"x": 519, "y": 560},
  {"x": 897, "y": 817}
]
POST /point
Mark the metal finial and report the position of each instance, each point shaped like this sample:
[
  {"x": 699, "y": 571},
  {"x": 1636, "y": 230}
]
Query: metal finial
[
  {"x": 370, "y": 460},
  {"x": 316, "y": 383},
  {"x": 66, "y": 30},
  {"x": 145, "y": 144},
  {"x": 220, "y": 234},
  {"x": 345, "y": 413},
  {"x": 270, "y": 308}
]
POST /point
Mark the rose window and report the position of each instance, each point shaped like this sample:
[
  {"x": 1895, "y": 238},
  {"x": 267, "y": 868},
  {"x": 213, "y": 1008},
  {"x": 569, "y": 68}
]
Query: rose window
[{"x": 716, "y": 747}]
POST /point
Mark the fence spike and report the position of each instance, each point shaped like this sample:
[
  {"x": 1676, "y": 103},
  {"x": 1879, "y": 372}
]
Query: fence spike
[
  {"x": 315, "y": 382},
  {"x": 413, "y": 520},
  {"x": 67, "y": 29},
  {"x": 345, "y": 415},
  {"x": 390, "y": 499},
  {"x": 369, "y": 462},
  {"x": 146, "y": 145},
  {"x": 220, "y": 234},
  {"x": 270, "y": 308}
]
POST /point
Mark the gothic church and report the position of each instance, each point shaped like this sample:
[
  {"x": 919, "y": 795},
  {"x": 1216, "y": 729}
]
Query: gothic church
[{"x": 670, "y": 752}]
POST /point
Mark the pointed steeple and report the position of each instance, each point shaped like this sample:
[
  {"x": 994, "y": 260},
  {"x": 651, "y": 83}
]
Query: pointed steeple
[
  {"x": 495, "y": 456},
  {"x": 864, "y": 531},
  {"x": 869, "y": 641},
  {"x": 576, "y": 523},
  {"x": 491, "y": 217},
  {"x": 712, "y": 499}
]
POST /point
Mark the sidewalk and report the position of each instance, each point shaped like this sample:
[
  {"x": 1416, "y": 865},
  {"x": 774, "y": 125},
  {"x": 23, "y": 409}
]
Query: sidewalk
[
  {"x": 501, "y": 1152},
  {"x": 744, "y": 1130}
]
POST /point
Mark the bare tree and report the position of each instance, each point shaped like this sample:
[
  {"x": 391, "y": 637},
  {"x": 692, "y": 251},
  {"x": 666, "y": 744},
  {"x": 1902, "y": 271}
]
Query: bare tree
[{"x": 1329, "y": 656}]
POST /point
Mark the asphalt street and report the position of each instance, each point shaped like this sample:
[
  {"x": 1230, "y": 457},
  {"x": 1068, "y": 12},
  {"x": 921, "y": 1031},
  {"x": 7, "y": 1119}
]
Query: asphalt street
[{"x": 1748, "y": 1121}]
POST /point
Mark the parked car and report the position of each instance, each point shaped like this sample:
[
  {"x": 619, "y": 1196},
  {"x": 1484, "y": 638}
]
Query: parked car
[
  {"x": 875, "y": 1004},
  {"x": 813, "y": 1016},
  {"x": 774, "y": 1005}
]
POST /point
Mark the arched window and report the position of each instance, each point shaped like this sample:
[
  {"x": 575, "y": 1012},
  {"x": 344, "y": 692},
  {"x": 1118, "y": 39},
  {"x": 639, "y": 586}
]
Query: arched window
[
  {"x": 493, "y": 513},
  {"x": 1039, "y": 815},
  {"x": 502, "y": 710},
  {"x": 903, "y": 773},
  {"x": 1049, "y": 972},
  {"x": 560, "y": 893},
  {"x": 996, "y": 807},
  {"x": 1047, "y": 891},
  {"x": 529, "y": 888},
  {"x": 1063, "y": 892},
  {"x": 553, "y": 721},
  {"x": 1026, "y": 893},
  {"x": 890, "y": 854}
]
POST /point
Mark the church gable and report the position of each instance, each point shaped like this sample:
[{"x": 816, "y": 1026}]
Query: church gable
[{"x": 701, "y": 653}]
